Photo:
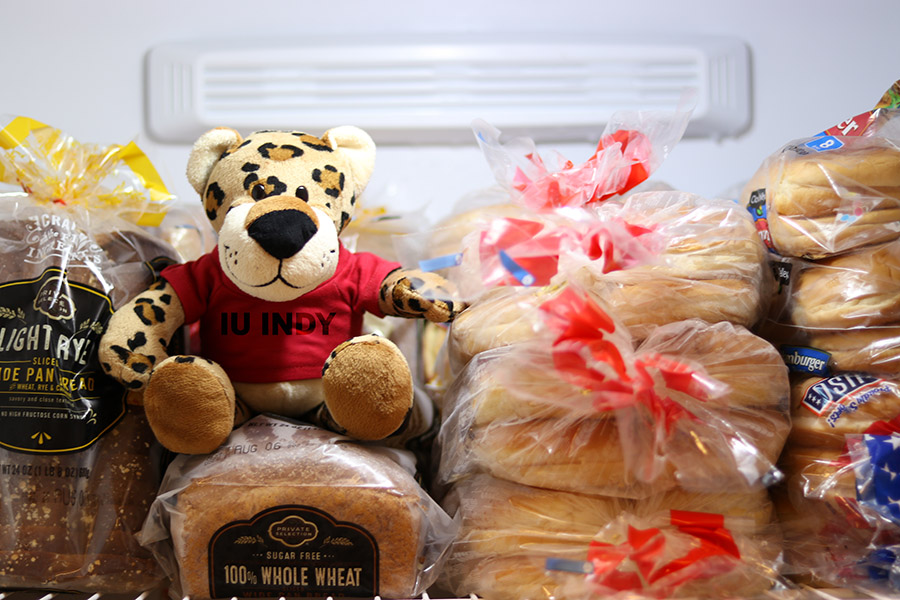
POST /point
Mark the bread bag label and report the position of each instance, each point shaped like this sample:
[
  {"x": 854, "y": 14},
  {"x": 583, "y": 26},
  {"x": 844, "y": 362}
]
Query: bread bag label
[
  {"x": 292, "y": 551},
  {"x": 759, "y": 211},
  {"x": 800, "y": 359},
  {"x": 53, "y": 395},
  {"x": 838, "y": 395}
]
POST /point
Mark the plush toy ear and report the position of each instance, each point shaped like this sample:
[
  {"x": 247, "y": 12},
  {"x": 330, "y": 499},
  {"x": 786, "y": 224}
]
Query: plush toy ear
[
  {"x": 206, "y": 153},
  {"x": 359, "y": 150}
]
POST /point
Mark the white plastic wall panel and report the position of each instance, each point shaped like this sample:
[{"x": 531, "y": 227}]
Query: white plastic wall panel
[{"x": 428, "y": 91}]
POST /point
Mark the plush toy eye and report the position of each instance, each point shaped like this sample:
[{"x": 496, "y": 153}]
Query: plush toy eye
[
  {"x": 258, "y": 191},
  {"x": 302, "y": 193}
]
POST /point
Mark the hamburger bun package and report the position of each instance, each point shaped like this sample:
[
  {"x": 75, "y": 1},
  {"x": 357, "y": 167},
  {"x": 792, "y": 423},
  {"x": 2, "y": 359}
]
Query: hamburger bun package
[
  {"x": 80, "y": 232},
  {"x": 695, "y": 405},
  {"x": 518, "y": 542},
  {"x": 840, "y": 512},
  {"x": 833, "y": 192}
]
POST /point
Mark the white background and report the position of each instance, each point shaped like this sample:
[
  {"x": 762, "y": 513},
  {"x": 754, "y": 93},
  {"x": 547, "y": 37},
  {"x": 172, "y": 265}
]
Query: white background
[{"x": 79, "y": 66}]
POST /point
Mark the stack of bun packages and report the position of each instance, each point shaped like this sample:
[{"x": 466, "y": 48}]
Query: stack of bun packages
[
  {"x": 81, "y": 233},
  {"x": 828, "y": 207},
  {"x": 611, "y": 423}
]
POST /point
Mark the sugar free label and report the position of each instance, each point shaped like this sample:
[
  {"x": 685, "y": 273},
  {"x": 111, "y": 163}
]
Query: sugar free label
[
  {"x": 53, "y": 395},
  {"x": 292, "y": 551}
]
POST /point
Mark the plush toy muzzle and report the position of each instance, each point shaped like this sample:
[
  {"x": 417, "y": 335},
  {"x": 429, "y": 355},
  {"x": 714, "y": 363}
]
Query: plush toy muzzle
[
  {"x": 278, "y": 248},
  {"x": 282, "y": 231}
]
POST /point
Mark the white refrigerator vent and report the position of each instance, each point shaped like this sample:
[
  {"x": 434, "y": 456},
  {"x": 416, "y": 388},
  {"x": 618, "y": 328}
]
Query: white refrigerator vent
[{"x": 410, "y": 91}]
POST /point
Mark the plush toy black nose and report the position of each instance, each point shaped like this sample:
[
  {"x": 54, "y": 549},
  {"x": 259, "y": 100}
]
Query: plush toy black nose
[{"x": 282, "y": 233}]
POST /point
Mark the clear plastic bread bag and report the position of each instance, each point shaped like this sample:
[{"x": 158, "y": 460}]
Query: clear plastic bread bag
[
  {"x": 707, "y": 263},
  {"x": 840, "y": 513},
  {"x": 633, "y": 145},
  {"x": 79, "y": 231},
  {"x": 564, "y": 544},
  {"x": 838, "y": 506},
  {"x": 676, "y": 553},
  {"x": 839, "y": 314},
  {"x": 284, "y": 509},
  {"x": 684, "y": 408},
  {"x": 834, "y": 191}
]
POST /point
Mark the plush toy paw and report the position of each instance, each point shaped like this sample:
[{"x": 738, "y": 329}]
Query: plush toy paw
[
  {"x": 190, "y": 404},
  {"x": 368, "y": 387},
  {"x": 137, "y": 335},
  {"x": 420, "y": 294}
]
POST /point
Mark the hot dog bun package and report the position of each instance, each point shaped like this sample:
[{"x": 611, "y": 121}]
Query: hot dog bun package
[
  {"x": 284, "y": 509},
  {"x": 81, "y": 232}
]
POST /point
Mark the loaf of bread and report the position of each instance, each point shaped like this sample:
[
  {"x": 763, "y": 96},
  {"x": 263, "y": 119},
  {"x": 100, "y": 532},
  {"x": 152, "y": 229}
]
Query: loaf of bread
[
  {"x": 810, "y": 184},
  {"x": 697, "y": 238},
  {"x": 750, "y": 367},
  {"x": 643, "y": 300},
  {"x": 826, "y": 535},
  {"x": 823, "y": 203},
  {"x": 448, "y": 236},
  {"x": 709, "y": 264},
  {"x": 820, "y": 479},
  {"x": 816, "y": 238},
  {"x": 284, "y": 509},
  {"x": 498, "y": 517},
  {"x": 69, "y": 521},
  {"x": 501, "y": 317},
  {"x": 509, "y": 316},
  {"x": 502, "y": 517},
  {"x": 78, "y": 463},
  {"x": 562, "y": 454},
  {"x": 819, "y": 546}
]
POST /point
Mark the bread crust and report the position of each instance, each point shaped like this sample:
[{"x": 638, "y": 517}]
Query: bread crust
[
  {"x": 814, "y": 184},
  {"x": 861, "y": 288},
  {"x": 869, "y": 349},
  {"x": 820, "y": 237}
]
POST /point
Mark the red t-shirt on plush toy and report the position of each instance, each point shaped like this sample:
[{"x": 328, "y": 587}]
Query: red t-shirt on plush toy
[{"x": 289, "y": 340}]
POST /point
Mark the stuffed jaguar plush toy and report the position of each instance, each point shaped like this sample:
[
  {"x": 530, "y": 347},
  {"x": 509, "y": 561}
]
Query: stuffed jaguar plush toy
[{"x": 279, "y": 302}]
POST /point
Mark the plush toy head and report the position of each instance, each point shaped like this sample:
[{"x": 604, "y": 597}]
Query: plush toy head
[{"x": 278, "y": 219}]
